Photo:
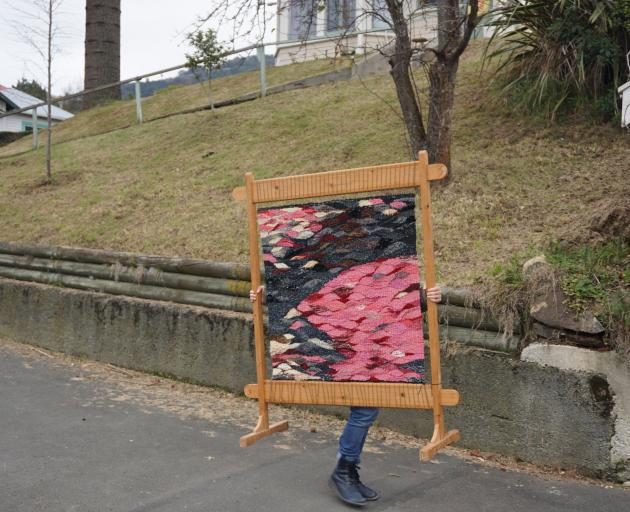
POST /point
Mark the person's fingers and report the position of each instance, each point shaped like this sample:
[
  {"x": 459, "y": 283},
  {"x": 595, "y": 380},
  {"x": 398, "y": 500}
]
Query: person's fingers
[
  {"x": 253, "y": 295},
  {"x": 434, "y": 294}
]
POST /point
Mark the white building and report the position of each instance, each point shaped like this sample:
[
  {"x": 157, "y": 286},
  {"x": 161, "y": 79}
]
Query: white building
[
  {"x": 309, "y": 30},
  {"x": 312, "y": 29},
  {"x": 13, "y": 99}
]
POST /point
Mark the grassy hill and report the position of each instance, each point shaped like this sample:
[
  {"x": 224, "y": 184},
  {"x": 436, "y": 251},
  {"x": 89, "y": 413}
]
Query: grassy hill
[
  {"x": 164, "y": 187},
  {"x": 122, "y": 114}
]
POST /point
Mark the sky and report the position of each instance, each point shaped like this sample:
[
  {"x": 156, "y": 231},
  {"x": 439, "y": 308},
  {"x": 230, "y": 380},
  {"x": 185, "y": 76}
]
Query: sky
[{"x": 152, "y": 38}]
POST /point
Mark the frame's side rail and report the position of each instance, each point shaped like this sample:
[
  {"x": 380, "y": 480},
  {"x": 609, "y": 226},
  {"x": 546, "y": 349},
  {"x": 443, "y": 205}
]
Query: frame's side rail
[
  {"x": 259, "y": 330},
  {"x": 365, "y": 394},
  {"x": 441, "y": 437},
  {"x": 349, "y": 181},
  {"x": 263, "y": 428}
]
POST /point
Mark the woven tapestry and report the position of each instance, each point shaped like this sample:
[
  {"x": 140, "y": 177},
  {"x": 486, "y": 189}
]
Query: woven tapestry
[{"x": 342, "y": 290}]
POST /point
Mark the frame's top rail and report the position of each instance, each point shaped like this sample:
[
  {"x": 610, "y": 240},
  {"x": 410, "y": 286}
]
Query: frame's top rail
[{"x": 348, "y": 181}]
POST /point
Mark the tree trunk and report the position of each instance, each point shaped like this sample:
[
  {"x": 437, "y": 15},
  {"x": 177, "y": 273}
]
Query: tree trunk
[
  {"x": 400, "y": 63},
  {"x": 411, "y": 113},
  {"x": 49, "y": 94},
  {"x": 102, "y": 50},
  {"x": 442, "y": 75}
]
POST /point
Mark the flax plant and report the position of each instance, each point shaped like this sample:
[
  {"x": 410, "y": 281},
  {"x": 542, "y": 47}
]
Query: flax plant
[{"x": 558, "y": 55}]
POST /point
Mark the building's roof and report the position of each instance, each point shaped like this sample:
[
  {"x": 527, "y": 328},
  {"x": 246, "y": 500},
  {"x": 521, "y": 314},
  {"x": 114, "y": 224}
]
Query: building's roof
[{"x": 18, "y": 99}]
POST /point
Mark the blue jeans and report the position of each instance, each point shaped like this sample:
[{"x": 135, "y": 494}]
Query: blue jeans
[{"x": 353, "y": 436}]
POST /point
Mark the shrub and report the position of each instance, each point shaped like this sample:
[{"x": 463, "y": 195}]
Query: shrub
[{"x": 561, "y": 55}]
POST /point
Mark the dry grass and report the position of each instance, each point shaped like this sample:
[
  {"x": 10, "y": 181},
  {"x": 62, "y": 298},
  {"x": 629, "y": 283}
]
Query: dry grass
[{"x": 164, "y": 187}]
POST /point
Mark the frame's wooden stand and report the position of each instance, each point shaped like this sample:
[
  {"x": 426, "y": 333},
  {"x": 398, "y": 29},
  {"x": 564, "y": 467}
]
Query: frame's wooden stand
[{"x": 422, "y": 396}]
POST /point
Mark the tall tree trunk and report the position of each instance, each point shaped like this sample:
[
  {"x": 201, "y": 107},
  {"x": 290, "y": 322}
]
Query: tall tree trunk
[
  {"x": 102, "y": 50},
  {"x": 442, "y": 76},
  {"x": 49, "y": 94}
]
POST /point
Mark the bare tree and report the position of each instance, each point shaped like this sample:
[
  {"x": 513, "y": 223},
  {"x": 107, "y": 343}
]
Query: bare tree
[
  {"x": 102, "y": 50},
  {"x": 455, "y": 26},
  {"x": 439, "y": 58},
  {"x": 38, "y": 29}
]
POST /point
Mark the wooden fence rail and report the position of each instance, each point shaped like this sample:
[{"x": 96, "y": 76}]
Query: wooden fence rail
[
  {"x": 209, "y": 284},
  {"x": 137, "y": 275},
  {"x": 166, "y": 264}
]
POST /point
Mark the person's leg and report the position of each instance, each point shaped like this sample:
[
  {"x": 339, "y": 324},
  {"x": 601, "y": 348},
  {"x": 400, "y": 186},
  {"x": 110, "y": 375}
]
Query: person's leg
[
  {"x": 355, "y": 433},
  {"x": 345, "y": 479}
]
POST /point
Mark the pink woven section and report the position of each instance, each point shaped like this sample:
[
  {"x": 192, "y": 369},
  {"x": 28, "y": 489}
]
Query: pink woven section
[{"x": 372, "y": 313}]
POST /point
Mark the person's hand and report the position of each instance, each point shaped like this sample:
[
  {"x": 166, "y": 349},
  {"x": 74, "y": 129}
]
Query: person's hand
[
  {"x": 253, "y": 295},
  {"x": 434, "y": 294}
]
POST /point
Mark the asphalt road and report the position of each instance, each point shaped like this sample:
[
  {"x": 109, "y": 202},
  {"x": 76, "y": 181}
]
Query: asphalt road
[{"x": 65, "y": 446}]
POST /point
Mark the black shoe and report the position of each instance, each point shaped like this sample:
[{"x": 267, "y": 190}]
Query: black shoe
[
  {"x": 345, "y": 482},
  {"x": 366, "y": 492}
]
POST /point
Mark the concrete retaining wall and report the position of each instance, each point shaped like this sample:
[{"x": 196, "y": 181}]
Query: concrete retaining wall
[
  {"x": 537, "y": 413},
  {"x": 203, "y": 345}
]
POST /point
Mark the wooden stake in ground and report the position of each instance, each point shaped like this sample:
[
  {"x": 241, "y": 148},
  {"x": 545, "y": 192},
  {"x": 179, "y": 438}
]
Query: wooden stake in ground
[{"x": 407, "y": 175}]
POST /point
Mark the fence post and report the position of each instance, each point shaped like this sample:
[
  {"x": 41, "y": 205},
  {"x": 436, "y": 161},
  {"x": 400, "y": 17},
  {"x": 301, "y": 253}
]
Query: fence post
[
  {"x": 35, "y": 130},
  {"x": 138, "y": 102},
  {"x": 262, "y": 62}
]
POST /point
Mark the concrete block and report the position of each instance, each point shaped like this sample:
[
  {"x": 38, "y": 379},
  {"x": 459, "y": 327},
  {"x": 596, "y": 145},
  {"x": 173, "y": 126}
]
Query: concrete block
[
  {"x": 609, "y": 366},
  {"x": 207, "y": 346}
]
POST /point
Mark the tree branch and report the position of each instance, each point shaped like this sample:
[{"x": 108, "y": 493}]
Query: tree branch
[{"x": 471, "y": 22}]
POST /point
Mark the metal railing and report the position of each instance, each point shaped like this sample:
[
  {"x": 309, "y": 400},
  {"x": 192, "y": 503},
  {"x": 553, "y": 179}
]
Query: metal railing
[{"x": 260, "y": 52}]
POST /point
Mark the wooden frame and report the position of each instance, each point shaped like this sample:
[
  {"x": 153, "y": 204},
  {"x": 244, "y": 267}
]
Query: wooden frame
[{"x": 415, "y": 175}]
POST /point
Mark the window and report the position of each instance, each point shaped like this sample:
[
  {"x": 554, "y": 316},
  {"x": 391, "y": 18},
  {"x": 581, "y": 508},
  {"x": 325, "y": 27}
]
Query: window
[
  {"x": 3, "y": 106},
  {"x": 340, "y": 15},
  {"x": 381, "y": 19},
  {"x": 303, "y": 19},
  {"x": 380, "y": 14}
]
